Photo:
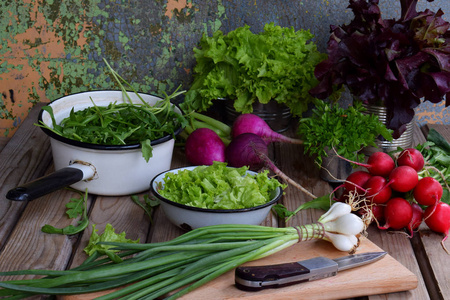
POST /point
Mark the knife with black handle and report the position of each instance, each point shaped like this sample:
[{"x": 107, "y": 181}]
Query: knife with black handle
[{"x": 255, "y": 278}]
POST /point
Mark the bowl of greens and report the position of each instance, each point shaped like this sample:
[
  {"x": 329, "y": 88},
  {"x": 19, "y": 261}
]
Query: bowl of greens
[
  {"x": 109, "y": 142},
  {"x": 197, "y": 196}
]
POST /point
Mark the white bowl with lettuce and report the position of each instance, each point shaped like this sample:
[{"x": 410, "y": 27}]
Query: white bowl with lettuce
[{"x": 198, "y": 196}]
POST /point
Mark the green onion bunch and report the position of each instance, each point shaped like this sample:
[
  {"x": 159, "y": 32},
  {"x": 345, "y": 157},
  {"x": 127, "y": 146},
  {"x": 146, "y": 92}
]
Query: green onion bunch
[{"x": 152, "y": 270}]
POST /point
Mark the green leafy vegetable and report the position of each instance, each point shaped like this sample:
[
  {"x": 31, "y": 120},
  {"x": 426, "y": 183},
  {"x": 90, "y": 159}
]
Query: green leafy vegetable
[
  {"x": 277, "y": 63},
  {"x": 76, "y": 207},
  {"x": 219, "y": 187},
  {"x": 121, "y": 123},
  {"x": 436, "y": 152},
  {"x": 147, "y": 204},
  {"x": 323, "y": 203},
  {"x": 345, "y": 130},
  {"x": 95, "y": 245}
]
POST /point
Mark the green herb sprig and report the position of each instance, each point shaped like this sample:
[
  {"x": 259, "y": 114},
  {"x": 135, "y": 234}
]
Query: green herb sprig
[
  {"x": 76, "y": 207},
  {"x": 346, "y": 131}
]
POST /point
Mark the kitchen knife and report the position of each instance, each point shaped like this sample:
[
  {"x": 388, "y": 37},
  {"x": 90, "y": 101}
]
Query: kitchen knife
[{"x": 254, "y": 278}]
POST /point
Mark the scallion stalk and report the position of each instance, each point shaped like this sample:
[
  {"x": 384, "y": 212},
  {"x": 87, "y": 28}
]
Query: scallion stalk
[{"x": 187, "y": 262}]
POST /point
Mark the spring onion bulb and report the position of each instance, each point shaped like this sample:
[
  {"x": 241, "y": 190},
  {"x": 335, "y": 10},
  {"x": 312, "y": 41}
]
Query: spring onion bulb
[
  {"x": 335, "y": 211},
  {"x": 149, "y": 271}
]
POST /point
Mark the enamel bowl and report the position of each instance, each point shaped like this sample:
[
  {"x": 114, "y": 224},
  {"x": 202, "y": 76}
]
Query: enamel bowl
[{"x": 189, "y": 217}]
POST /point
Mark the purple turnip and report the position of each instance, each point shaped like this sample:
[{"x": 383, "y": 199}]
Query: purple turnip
[
  {"x": 249, "y": 149},
  {"x": 203, "y": 146},
  {"x": 250, "y": 123}
]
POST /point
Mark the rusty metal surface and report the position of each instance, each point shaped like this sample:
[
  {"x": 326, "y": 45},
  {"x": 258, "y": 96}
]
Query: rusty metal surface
[{"x": 56, "y": 48}]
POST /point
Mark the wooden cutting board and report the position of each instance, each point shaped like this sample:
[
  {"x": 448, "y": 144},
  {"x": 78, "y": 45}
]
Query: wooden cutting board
[{"x": 384, "y": 276}]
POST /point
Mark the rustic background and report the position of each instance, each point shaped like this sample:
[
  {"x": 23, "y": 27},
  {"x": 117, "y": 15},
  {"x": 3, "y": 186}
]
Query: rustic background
[{"x": 50, "y": 48}]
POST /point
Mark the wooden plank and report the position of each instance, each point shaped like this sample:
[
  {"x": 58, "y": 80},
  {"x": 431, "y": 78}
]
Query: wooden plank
[
  {"x": 291, "y": 160},
  {"x": 433, "y": 260},
  {"x": 399, "y": 247},
  {"x": 33, "y": 249},
  {"x": 26, "y": 157}
]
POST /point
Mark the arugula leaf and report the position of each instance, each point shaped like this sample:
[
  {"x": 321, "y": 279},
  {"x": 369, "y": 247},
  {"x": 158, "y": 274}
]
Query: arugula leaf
[
  {"x": 124, "y": 123},
  {"x": 76, "y": 207},
  {"x": 147, "y": 205}
]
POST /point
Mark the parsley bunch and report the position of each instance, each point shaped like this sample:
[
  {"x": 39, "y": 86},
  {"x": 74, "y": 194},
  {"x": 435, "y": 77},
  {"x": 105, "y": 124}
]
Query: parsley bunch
[{"x": 346, "y": 131}]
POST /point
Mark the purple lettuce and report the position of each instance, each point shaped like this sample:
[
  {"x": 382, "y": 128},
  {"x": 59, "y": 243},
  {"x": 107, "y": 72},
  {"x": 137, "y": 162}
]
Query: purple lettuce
[{"x": 389, "y": 62}]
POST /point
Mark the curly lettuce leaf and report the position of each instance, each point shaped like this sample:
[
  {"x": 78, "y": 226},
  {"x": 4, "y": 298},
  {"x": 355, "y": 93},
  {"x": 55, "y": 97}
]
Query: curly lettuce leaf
[
  {"x": 277, "y": 64},
  {"x": 108, "y": 235},
  {"x": 219, "y": 187}
]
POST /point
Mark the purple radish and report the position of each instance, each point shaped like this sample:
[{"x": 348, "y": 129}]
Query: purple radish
[
  {"x": 203, "y": 146},
  {"x": 250, "y": 123},
  {"x": 249, "y": 149}
]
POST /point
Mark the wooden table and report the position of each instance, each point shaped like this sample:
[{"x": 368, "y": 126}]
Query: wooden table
[{"x": 27, "y": 156}]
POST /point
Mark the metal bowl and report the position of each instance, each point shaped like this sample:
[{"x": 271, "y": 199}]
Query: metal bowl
[{"x": 189, "y": 217}]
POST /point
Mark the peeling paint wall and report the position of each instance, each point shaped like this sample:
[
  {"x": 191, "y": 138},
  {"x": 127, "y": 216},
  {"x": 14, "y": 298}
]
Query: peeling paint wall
[{"x": 53, "y": 48}]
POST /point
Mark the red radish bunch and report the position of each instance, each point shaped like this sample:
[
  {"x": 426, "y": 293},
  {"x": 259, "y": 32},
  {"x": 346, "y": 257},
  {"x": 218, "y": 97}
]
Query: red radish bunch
[
  {"x": 250, "y": 136},
  {"x": 393, "y": 195}
]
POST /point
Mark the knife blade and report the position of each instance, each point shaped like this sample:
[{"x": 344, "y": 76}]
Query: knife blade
[{"x": 254, "y": 278}]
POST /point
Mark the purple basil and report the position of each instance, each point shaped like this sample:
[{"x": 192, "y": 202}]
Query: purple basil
[{"x": 389, "y": 62}]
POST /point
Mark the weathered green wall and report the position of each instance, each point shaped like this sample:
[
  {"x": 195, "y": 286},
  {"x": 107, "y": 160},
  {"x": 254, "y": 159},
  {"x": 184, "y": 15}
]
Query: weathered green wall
[{"x": 52, "y": 48}]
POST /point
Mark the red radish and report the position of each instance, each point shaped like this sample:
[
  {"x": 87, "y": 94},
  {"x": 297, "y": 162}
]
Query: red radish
[
  {"x": 250, "y": 123},
  {"x": 203, "y": 146},
  {"x": 428, "y": 191},
  {"x": 437, "y": 217},
  {"x": 376, "y": 212},
  {"x": 379, "y": 163},
  {"x": 397, "y": 213},
  {"x": 249, "y": 149},
  {"x": 377, "y": 190},
  {"x": 411, "y": 157},
  {"x": 403, "y": 179},
  {"x": 356, "y": 180},
  {"x": 344, "y": 197},
  {"x": 416, "y": 219}
]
